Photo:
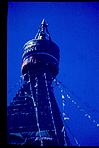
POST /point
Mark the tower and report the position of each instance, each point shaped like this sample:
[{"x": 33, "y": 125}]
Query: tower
[{"x": 33, "y": 116}]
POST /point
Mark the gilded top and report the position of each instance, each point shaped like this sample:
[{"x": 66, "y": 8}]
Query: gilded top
[{"x": 43, "y": 31}]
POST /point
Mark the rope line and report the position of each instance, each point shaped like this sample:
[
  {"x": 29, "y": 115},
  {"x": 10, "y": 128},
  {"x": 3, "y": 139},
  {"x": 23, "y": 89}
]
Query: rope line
[
  {"x": 36, "y": 112},
  {"x": 69, "y": 96},
  {"x": 65, "y": 117},
  {"x": 49, "y": 101}
]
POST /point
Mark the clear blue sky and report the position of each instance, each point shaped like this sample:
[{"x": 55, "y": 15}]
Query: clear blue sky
[{"x": 74, "y": 27}]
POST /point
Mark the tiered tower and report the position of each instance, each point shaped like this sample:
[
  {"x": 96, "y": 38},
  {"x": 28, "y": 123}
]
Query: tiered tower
[{"x": 33, "y": 116}]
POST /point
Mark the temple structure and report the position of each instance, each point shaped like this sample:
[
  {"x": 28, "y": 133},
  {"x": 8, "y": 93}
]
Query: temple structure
[{"x": 33, "y": 115}]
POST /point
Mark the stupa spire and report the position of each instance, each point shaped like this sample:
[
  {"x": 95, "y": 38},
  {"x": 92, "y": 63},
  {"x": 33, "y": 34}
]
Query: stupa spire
[{"x": 43, "y": 31}]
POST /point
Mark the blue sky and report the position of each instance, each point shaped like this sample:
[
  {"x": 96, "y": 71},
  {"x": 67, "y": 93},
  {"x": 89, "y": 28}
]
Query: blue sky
[{"x": 74, "y": 27}]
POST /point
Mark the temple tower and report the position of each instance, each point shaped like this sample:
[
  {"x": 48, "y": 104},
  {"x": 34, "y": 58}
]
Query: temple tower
[{"x": 33, "y": 116}]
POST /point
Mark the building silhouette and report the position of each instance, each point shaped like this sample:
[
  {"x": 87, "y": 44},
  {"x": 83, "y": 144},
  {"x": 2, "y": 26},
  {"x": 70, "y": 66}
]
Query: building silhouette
[{"x": 33, "y": 117}]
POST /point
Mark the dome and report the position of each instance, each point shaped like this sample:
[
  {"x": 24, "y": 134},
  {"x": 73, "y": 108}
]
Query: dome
[{"x": 41, "y": 51}]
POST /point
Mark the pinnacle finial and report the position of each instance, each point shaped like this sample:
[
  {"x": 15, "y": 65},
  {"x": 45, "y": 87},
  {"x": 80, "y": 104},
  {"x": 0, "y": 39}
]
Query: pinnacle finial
[
  {"x": 43, "y": 31},
  {"x": 44, "y": 23}
]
